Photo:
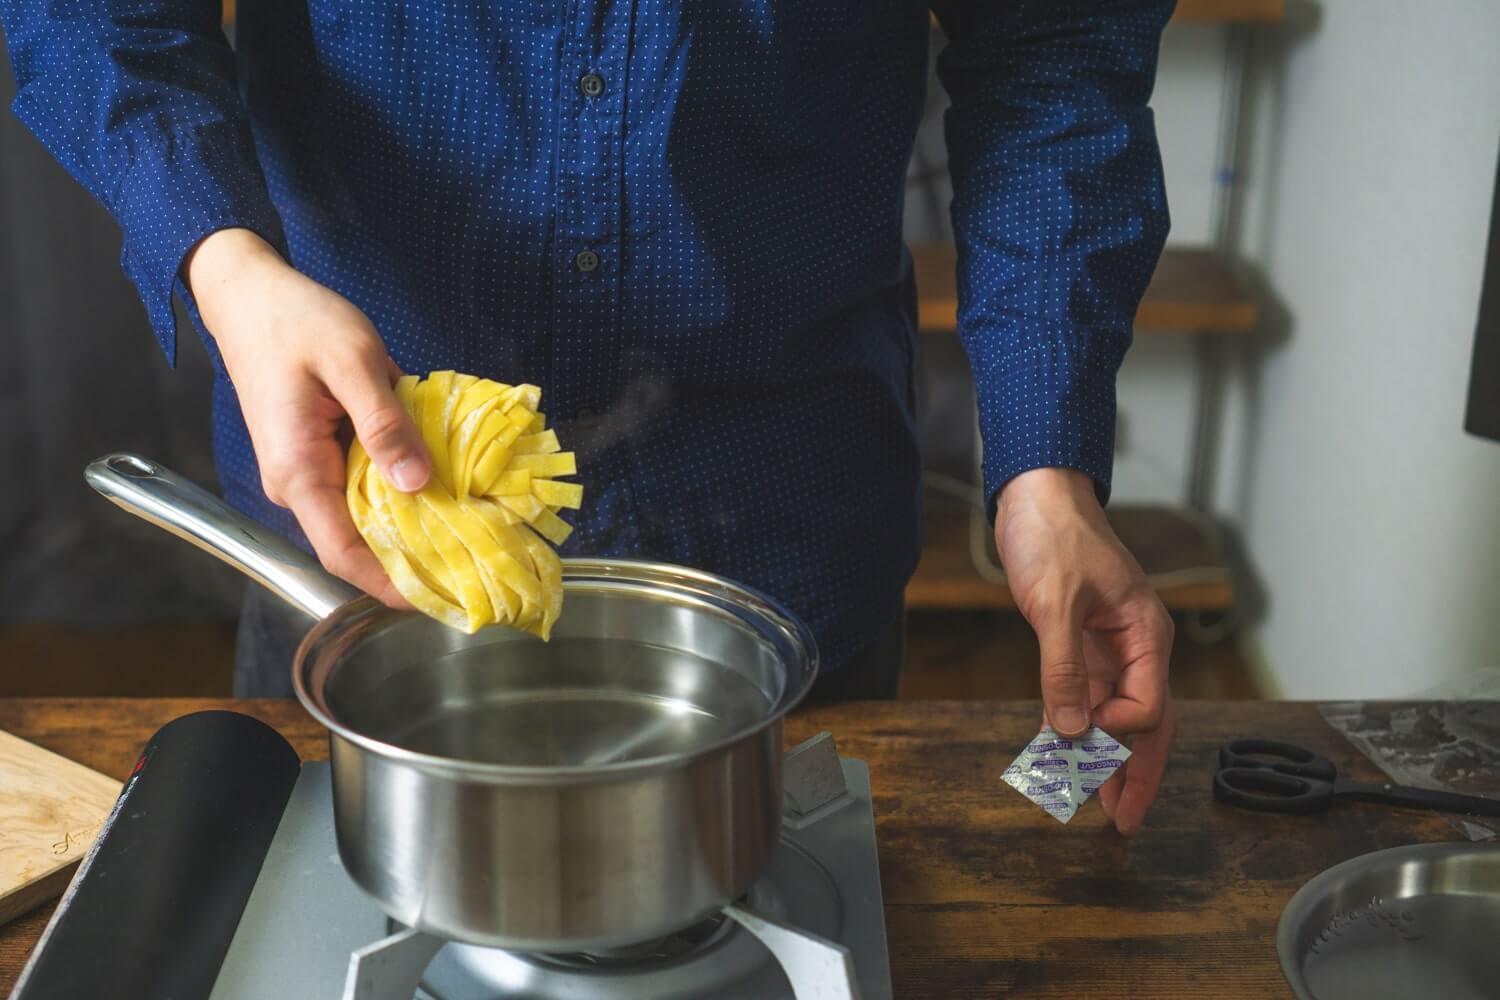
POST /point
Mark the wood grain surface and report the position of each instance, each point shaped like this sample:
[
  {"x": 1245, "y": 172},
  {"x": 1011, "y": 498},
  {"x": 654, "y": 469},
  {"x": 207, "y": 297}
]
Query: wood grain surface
[
  {"x": 50, "y": 811},
  {"x": 986, "y": 896}
]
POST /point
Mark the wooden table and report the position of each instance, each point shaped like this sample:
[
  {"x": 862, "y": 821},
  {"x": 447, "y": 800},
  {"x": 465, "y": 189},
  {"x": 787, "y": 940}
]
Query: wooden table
[{"x": 986, "y": 896}]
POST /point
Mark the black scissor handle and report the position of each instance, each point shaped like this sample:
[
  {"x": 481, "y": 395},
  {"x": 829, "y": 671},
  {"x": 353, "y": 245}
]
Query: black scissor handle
[
  {"x": 1264, "y": 790},
  {"x": 1293, "y": 759}
]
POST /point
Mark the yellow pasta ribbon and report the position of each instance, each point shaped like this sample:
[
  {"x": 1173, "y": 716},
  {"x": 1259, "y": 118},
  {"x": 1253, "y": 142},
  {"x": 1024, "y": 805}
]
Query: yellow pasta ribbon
[{"x": 468, "y": 549}]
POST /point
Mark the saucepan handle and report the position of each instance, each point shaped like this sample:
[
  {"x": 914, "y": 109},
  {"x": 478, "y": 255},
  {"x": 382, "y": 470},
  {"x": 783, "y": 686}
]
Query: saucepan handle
[{"x": 159, "y": 495}]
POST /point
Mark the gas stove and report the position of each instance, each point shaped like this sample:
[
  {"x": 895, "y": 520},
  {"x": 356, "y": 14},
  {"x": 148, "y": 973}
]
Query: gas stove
[{"x": 811, "y": 927}]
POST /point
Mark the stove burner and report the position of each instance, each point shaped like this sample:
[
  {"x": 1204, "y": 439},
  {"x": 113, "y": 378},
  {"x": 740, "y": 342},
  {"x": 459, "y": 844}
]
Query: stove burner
[
  {"x": 714, "y": 958},
  {"x": 702, "y": 936},
  {"x": 308, "y": 928}
]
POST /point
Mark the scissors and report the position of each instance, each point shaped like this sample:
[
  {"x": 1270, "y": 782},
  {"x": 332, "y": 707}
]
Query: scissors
[{"x": 1271, "y": 776}]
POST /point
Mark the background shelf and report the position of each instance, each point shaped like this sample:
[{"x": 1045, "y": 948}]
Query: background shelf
[
  {"x": 1192, "y": 291},
  {"x": 1212, "y": 11},
  {"x": 1242, "y": 11},
  {"x": 1175, "y": 547}
]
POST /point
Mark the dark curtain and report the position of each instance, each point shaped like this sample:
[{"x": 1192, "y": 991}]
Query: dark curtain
[{"x": 80, "y": 375}]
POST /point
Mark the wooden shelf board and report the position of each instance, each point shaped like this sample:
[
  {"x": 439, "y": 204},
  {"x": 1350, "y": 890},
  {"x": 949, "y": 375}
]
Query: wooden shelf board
[
  {"x": 1192, "y": 291},
  {"x": 1165, "y": 541},
  {"x": 1243, "y": 11},
  {"x": 1220, "y": 11}
]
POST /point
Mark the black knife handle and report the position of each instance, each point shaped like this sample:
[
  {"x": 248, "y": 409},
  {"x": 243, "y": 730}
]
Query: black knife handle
[{"x": 152, "y": 908}]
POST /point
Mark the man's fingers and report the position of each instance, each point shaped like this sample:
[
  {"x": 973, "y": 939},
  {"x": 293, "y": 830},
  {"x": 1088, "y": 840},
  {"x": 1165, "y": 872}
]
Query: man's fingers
[
  {"x": 1121, "y": 716},
  {"x": 1146, "y": 659},
  {"x": 1142, "y": 775},
  {"x": 324, "y": 517},
  {"x": 1144, "y": 648},
  {"x": 1065, "y": 678},
  {"x": 381, "y": 423},
  {"x": 1109, "y": 792}
]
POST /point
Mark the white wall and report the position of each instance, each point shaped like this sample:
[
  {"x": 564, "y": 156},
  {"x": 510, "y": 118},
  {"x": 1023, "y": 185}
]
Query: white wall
[
  {"x": 1372, "y": 519},
  {"x": 1156, "y": 384}
]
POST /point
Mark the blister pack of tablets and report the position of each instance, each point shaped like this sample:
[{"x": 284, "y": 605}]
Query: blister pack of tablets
[{"x": 1059, "y": 774}]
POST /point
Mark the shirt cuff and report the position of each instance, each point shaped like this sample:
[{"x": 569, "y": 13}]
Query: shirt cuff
[
  {"x": 1054, "y": 409},
  {"x": 173, "y": 195}
]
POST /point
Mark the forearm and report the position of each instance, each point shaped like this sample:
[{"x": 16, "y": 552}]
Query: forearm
[
  {"x": 223, "y": 268},
  {"x": 1044, "y": 489}
]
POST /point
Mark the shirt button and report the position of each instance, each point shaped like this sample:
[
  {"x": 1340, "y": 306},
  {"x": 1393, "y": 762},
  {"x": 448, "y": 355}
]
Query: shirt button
[
  {"x": 591, "y": 85},
  {"x": 586, "y": 261}
]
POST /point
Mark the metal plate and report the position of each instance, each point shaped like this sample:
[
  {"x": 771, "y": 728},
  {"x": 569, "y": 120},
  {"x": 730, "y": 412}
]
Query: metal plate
[{"x": 1418, "y": 921}]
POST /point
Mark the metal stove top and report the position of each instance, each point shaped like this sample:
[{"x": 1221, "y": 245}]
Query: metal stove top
[{"x": 306, "y": 918}]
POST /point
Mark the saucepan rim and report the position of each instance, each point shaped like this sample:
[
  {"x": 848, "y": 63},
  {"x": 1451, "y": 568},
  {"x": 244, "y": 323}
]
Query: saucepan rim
[{"x": 679, "y": 583}]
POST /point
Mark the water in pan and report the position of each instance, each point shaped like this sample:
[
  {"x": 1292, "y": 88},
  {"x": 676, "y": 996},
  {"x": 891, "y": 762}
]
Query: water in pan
[
  {"x": 1418, "y": 946},
  {"x": 574, "y": 701}
]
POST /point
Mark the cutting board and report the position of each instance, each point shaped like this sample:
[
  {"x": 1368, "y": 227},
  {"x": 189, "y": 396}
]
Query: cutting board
[{"x": 51, "y": 810}]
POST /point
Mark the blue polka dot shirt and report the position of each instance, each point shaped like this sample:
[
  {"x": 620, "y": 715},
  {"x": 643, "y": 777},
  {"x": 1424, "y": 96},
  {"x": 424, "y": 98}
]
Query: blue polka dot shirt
[{"x": 681, "y": 219}]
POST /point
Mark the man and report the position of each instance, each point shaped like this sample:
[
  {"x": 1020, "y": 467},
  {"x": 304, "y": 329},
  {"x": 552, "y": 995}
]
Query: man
[{"x": 682, "y": 220}]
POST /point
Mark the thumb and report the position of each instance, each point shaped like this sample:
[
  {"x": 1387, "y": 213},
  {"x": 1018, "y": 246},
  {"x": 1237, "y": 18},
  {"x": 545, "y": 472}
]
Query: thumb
[
  {"x": 382, "y": 424},
  {"x": 1065, "y": 678}
]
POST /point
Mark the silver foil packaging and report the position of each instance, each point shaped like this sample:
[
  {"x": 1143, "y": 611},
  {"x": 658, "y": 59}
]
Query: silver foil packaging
[{"x": 1059, "y": 774}]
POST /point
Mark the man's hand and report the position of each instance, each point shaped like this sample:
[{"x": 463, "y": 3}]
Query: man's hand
[
  {"x": 303, "y": 359},
  {"x": 1105, "y": 636}
]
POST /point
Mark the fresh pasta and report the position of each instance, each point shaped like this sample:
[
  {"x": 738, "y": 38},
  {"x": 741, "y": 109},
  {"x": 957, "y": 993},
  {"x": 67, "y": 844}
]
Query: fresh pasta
[{"x": 471, "y": 548}]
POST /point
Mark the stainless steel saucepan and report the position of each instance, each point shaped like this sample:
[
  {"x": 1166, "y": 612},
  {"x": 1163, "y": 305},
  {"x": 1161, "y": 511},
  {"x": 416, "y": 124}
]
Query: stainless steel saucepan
[{"x": 609, "y": 787}]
